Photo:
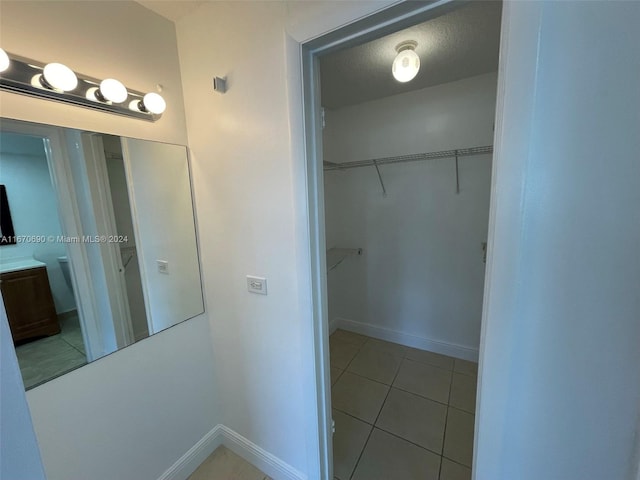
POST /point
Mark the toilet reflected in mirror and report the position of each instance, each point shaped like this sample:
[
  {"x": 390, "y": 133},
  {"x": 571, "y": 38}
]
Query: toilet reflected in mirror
[
  {"x": 64, "y": 266},
  {"x": 105, "y": 252}
]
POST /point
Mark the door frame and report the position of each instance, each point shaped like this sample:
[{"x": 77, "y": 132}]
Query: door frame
[
  {"x": 389, "y": 20},
  {"x": 98, "y": 178}
]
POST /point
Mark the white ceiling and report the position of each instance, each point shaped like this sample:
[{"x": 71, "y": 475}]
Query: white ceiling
[
  {"x": 457, "y": 45},
  {"x": 174, "y": 10}
]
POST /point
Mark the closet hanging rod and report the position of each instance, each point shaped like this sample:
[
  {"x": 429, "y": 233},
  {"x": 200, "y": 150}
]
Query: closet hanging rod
[{"x": 460, "y": 152}]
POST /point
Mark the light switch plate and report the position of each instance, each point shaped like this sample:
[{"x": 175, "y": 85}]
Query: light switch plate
[
  {"x": 163, "y": 266},
  {"x": 257, "y": 285}
]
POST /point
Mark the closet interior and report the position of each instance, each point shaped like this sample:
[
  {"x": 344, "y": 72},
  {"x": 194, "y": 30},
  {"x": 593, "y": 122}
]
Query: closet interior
[{"x": 407, "y": 180}]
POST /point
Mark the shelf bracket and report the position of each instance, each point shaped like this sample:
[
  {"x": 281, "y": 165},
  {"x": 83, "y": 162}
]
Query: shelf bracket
[
  {"x": 457, "y": 175},
  {"x": 384, "y": 190}
]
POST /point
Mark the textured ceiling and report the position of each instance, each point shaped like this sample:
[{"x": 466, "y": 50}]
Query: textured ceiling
[
  {"x": 174, "y": 10},
  {"x": 459, "y": 44}
]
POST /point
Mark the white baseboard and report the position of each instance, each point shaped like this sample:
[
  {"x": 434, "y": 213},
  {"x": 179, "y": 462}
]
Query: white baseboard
[
  {"x": 258, "y": 457},
  {"x": 197, "y": 454},
  {"x": 406, "y": 339},
  {"x": 68, "y": 314},
  {"x": 334, "y": 325},
  {"x": 252, "y": 453}
]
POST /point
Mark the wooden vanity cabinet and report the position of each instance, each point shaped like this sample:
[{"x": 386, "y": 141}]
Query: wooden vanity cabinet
[{"x": 29, "y": 303}]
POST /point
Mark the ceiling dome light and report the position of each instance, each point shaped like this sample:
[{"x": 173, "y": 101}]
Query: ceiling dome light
[
  {"x": 111, "y": 90},
  {"x": 4, "y": 60},
  {"x": 407, "y": 63},
  {"x": 59, "y": 77},
  {"x": 153, "y": 103}
]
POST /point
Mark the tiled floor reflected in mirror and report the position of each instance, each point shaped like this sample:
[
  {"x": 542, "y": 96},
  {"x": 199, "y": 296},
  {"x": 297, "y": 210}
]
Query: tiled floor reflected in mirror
[{"x": 46, "y": 358}]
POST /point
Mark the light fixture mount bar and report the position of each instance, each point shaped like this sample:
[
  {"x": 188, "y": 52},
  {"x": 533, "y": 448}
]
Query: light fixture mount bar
[{"x": 24, "y": 76}]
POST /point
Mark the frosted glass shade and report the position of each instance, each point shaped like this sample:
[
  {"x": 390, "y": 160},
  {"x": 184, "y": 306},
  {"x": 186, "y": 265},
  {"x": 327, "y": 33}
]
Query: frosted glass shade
[
  {"x": 113, "y": 90},
  {"x": 4, "y": 60},
  {"x": 154, "y": 103},
  {"x": 60, "y": 77},
  {"x": 406, "y": 65}
]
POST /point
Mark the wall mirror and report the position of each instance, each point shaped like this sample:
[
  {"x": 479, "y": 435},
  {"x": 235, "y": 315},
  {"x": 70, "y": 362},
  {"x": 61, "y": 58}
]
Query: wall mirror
[{"x": 103, "y": 249}]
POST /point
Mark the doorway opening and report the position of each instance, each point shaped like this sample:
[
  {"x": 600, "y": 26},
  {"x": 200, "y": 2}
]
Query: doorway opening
[{"x": 400, "y": 179}]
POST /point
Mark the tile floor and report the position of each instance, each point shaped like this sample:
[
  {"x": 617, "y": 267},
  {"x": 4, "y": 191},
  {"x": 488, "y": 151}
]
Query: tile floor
[
  {"x": 50, "y": 357},
  {"x": 223, "y": 464},
  {"x": 400, "y": 413}
]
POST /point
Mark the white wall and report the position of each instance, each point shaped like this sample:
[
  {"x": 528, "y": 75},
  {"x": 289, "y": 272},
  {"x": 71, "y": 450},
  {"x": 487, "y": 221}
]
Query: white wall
[
  {"x": 422, "y": 273},
  {"x": 243, "y": 186},
  {"x": 134, "y": 413},
  {"x": 559, "y": 384},
  {"x": 19, "y": 455},
  {"x": 25, "y": 173}
]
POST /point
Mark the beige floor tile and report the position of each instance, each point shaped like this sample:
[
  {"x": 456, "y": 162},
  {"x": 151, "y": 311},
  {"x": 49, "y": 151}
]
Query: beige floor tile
[
  {"x": 342, "y": 353},
  {"x": 375, "y": 364},
  {"x": 358, "y": 396},
  {"x": 348, "y": 441},
  {"x": 414, "y": 418},
  {"x": 387, "y": 457},
  {"x": 458, "y": 437},
  {"x": 72, "y": 333},
  {"x": 345, "y": 336},
  {"x": 430, "y": 358},
  {"x": 335, "y": 374},
  {"x": 463, "y": 392},
  {"x": 388, "y": 347},
  {"x": 466, "y": 367},
  {"x": 426, "y": 380},
  {"x": 454, "y": 471},
  {"x": 223, "y": 464}
]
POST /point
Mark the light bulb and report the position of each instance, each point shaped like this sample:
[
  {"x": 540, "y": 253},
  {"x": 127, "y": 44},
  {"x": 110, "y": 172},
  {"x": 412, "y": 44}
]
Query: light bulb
[
  {"x": 59, "y": 77},
  {"x": 112, "y": 90},
  {"x": 153, "y": 103},
  {"x": 406, "y": 65},
  {"x": 4, "y": 60}
]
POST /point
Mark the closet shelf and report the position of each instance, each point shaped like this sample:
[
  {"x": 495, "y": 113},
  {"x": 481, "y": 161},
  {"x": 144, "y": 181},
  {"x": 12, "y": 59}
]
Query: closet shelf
[
  {"x": 460, "y": 152},
  {"x": 376, "y": 162},
  {"x": 335, "y": 256}
]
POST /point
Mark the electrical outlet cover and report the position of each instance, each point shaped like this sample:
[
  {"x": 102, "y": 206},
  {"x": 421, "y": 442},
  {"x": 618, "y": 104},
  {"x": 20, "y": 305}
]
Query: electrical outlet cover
[{"x": 257, "y": 285}]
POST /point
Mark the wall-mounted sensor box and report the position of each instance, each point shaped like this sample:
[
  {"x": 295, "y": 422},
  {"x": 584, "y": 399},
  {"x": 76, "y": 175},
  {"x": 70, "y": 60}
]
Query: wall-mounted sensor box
[
  {"x": 257, "y": 285},
  {"x": 219, "y": 84}
]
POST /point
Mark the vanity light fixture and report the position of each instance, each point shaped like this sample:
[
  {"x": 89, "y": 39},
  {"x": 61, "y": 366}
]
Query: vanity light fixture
[
  {"x": 111, "y": 90},
  {"x": 57, "y": 76},
  {"x": 153, "y": 102},
  {"x": 407, "y": 62},
  {"x": 55, "y": 81},
  {"x": 4, "y": 60}
]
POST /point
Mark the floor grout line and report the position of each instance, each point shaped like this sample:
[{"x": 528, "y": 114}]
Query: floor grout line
[
  {"x": 73, "y": 346},
  {"x": 446, "y": 419},
  {"x": 401, "y": 389},
  {"x": 374, "y": 424},
  {"x": 440, "y": 454}
]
